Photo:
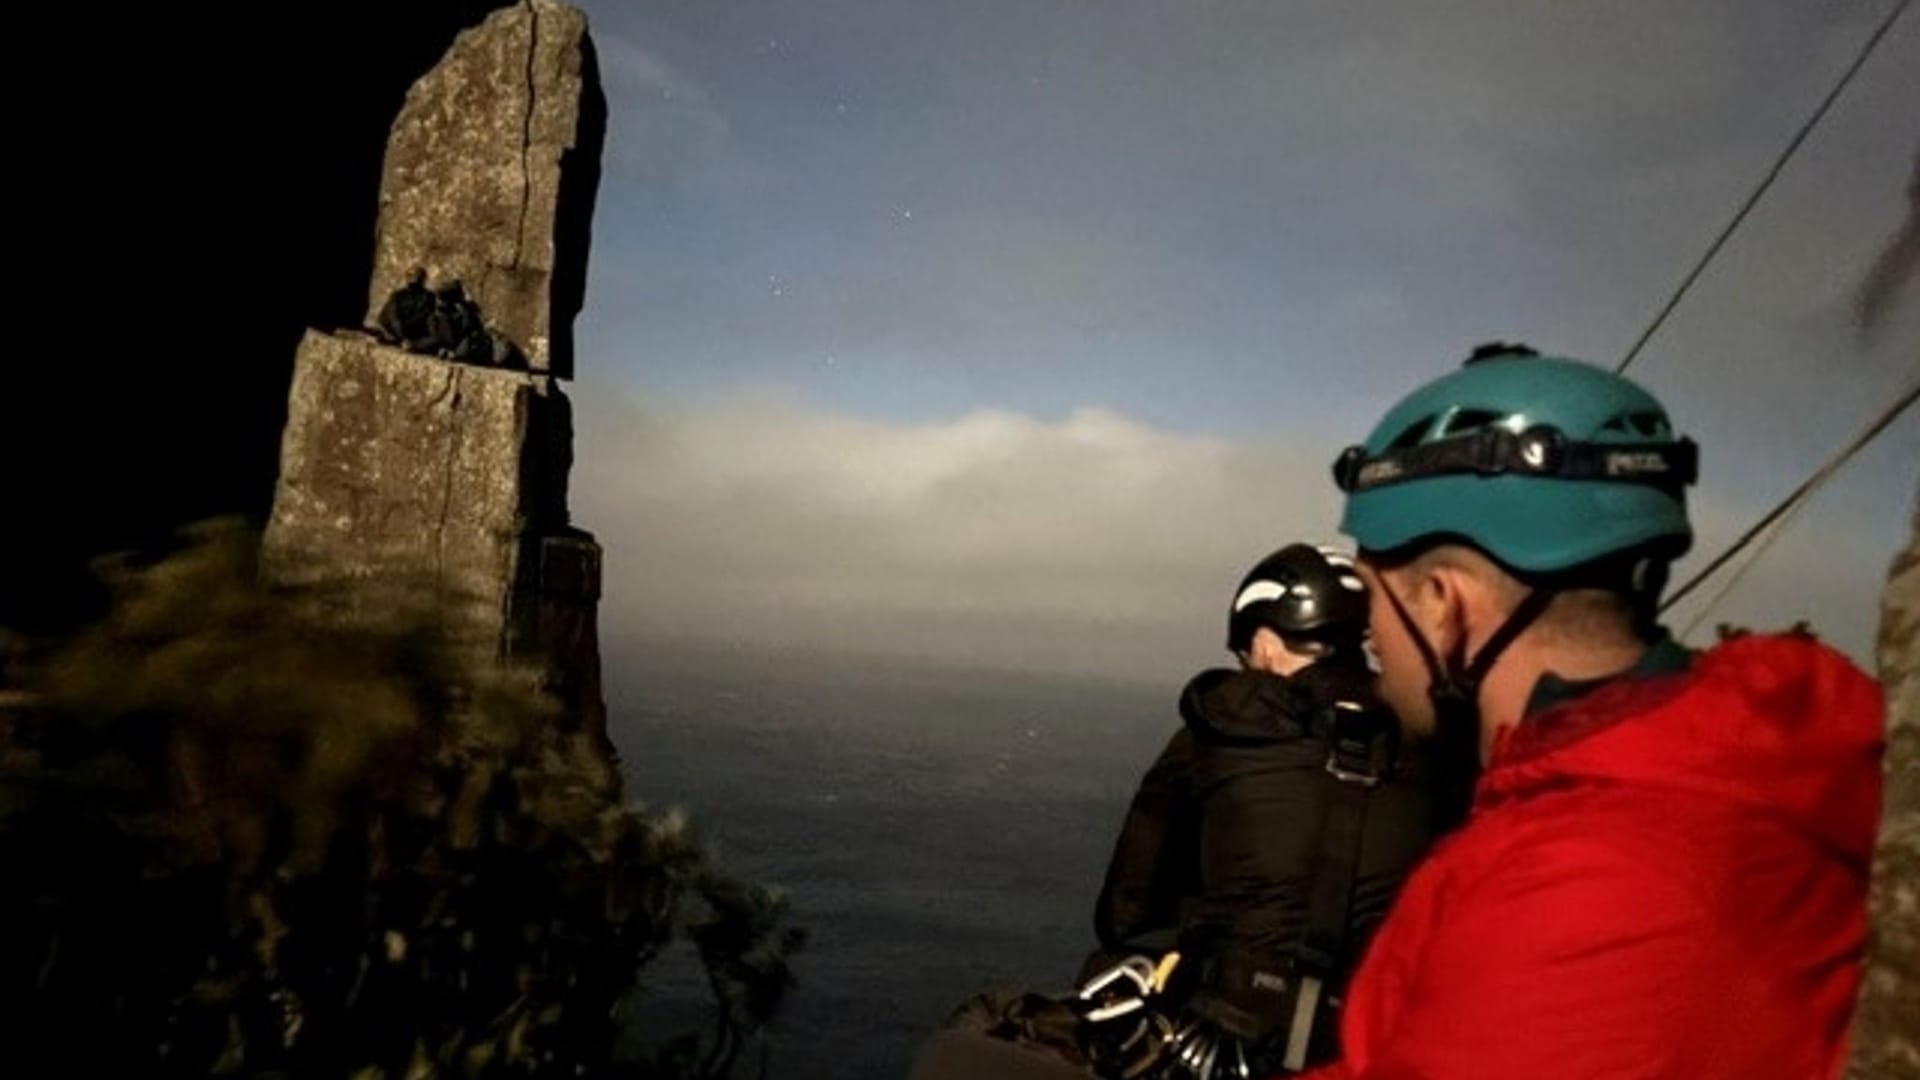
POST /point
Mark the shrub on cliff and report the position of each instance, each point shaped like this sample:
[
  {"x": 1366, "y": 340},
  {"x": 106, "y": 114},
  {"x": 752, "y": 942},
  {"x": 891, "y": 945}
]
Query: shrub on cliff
[{"x": 242, "y": 838}]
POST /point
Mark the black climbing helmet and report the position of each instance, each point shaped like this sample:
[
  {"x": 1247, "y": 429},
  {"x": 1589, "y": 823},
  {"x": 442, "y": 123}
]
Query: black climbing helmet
[{"x": 1301, "y": 592}]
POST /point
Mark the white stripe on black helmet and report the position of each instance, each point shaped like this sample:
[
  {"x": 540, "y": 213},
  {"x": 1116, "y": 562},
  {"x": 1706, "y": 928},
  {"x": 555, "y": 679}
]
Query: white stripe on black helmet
[{"x": 1301, "y": 591}]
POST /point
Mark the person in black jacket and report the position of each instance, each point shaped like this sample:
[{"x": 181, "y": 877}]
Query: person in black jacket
[
  {"x": 1266, "y": 842},
  {"x": 1261, "y": 849}
]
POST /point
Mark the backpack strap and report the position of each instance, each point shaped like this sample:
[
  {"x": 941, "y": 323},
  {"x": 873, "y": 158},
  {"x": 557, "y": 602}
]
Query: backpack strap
[{"x": 1359, "y": 754}]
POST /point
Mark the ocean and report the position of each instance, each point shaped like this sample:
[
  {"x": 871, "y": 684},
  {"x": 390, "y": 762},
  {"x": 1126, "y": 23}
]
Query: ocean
[{"x": 938, "y": 831}]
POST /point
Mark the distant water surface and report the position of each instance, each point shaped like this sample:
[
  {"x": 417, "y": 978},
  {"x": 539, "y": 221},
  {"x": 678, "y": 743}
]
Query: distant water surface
[{"x": 938, "y": 830}]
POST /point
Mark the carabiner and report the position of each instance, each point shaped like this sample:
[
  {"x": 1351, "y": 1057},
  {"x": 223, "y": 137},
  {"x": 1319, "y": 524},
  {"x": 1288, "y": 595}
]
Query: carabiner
[{"x": 1137, "y": 968}]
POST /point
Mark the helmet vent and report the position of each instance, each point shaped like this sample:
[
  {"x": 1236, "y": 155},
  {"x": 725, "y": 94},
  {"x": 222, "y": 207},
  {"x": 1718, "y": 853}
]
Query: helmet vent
[
  {"x": 1472, "y": 420},
  {"x": 1644, "y": 422},
  {"x": 1412, "y": 436}
]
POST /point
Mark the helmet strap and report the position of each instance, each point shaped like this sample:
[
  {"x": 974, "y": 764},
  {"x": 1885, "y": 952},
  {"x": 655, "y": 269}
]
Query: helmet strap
[{"x": 1454, "y": 689}]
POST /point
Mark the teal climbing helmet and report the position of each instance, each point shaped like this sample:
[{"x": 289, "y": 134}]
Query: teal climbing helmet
[{"x": 1543, "y": 462}]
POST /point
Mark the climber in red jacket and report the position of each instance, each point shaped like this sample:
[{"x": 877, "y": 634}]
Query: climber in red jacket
[{"x": 1660, "y": 867}]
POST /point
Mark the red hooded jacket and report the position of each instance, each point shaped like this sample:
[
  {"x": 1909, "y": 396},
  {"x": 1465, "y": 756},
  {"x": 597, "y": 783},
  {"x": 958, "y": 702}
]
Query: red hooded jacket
[{"x": 1664, "y": 878}]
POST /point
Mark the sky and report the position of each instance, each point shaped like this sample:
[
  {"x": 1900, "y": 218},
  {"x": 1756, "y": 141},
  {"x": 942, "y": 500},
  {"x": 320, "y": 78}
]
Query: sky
[{"x": 1012, "y": 333}]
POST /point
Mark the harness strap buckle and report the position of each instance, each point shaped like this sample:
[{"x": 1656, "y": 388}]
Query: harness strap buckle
[{"x": 1358, "y": 750}]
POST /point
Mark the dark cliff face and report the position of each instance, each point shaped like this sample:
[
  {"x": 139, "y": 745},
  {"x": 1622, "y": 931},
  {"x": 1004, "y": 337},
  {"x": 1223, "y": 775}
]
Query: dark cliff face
[{"x": 202, "y": 185}]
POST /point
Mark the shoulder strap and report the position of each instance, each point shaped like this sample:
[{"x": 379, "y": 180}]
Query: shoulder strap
[{"x": 1358, "y": 757}]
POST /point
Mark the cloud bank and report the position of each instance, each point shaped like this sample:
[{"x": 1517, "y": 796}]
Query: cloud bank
[{"x": 1090, "y": 543}]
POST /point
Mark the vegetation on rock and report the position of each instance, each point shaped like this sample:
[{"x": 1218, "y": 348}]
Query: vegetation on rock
[{"x": 241, "y": 837}]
